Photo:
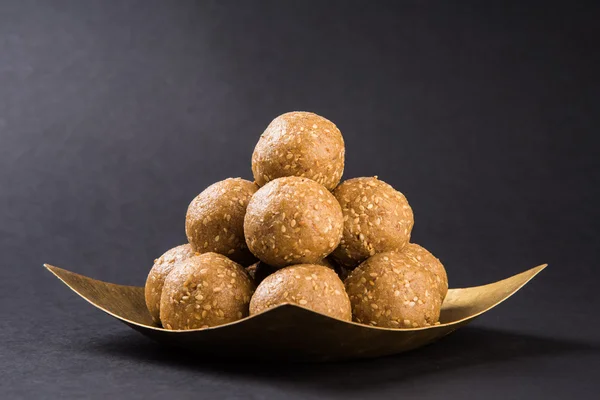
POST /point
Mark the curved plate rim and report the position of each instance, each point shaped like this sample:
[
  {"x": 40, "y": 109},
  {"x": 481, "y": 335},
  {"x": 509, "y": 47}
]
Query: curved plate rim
[{"x": 56, "y": 271}]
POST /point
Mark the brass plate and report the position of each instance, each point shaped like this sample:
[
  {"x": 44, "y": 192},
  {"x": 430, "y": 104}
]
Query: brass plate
[{"x": 290, "y": 332}]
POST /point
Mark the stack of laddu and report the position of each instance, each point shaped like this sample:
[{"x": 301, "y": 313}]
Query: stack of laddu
[{"x": 297, "y": 235}]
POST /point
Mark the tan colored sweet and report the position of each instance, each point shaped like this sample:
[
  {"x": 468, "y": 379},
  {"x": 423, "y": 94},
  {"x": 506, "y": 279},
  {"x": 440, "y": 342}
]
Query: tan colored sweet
[
  {"x": 300, "y": 144},
  {"x": 156, "y": 278},
  {"x": 311, "y": 286},
  {"x": 259, "y": 270},
  {"x": 292, "y": 220},
  {"x": 430, "y": 262},
  {"x": 203, "y": 291},
  {"x": 215, "y": 219},
  {"x": 377, "y": 218},
  {"x": 392, "y": 290}
]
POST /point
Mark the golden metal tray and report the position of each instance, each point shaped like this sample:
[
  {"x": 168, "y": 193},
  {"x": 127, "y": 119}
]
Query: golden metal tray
[{"x": 290, "y": 332}]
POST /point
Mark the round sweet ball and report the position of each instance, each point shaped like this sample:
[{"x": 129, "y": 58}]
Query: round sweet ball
[
  {"x": 377, "y": 218},
  {"x": 260, "y": 270},
  {"x": 203, "y": 291},
  {"x": 428, "y": 261},
  {"x": 292, "y": 220},
  {"x": 391, "y": 290},
  {"x": 300, "y": 144},
  {"x": 311, "y": 286},
  {"x": 156, "y": 278},
  {"x": 215, "y": 219}
]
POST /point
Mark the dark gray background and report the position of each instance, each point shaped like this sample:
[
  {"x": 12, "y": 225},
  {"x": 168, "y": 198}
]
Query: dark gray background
[{"x": 114, "y": 115}]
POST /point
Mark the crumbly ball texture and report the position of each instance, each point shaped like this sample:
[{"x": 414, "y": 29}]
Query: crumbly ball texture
[
  {"x": 391, "y": 290},
  {"x": 300, "y": 144},
  {"x": 156, "y": 278},
  {"x": 312, "y": 286},
  {"x": 259, "y": 270},
  {"x": 215, "y": 219},
  {"x": 377, "y": 218},
  {"x": 429, "y": 262},
  {"x": 292, "y": 220},
  {"x": 203, "y": 291}
]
